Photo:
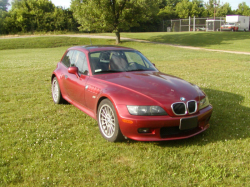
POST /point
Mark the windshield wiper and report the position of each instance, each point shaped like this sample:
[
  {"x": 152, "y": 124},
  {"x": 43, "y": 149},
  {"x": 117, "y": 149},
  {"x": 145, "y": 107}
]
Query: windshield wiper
[{"x": 138, "y": 70}]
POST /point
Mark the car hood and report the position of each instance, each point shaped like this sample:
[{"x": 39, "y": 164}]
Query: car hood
[{"x": 160, "y": 87}]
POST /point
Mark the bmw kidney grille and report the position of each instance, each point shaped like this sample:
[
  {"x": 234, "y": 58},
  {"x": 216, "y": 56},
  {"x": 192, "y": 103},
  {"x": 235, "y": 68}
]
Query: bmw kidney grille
[
  {"x": 192, "y": 106},
  {"x": 181, "y": 108}
]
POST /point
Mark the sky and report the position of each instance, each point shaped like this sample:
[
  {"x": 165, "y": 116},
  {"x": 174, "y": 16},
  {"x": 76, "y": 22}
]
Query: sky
[
  {"x": 63, "y": 3},
  {"x": 233, "y": 3}
]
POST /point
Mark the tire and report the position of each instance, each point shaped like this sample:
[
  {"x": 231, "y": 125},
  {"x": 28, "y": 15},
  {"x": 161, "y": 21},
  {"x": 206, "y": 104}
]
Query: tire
[
  {"x": 232, "y": 30},
  {"x": 108, "y": 122},
  {"x": 56, "y": 92}
]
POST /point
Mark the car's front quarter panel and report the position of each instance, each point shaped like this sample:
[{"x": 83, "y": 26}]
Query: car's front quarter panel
[{"x": 118, "y": 95}]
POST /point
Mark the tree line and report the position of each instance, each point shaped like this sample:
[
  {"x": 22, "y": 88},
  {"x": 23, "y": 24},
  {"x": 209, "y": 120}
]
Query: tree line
[
  {"x": 35, "y": 15},
  {"x": 28, "y": 16}
]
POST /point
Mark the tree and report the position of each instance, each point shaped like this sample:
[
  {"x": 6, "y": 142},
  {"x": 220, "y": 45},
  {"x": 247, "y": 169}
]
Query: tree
[
  {"x": 195, "y": 10},
  {"x": 224, "y": 10},
  {"x": 210, "y": 6},
  {"x": 36, "y": 15},
  {"x": 63, "y": 20},
  {"x": 243, "y": 9},
  {"x": 172, "y": 3},
  {"x": 167, "y": 13},
  {"x": 4, "y": 5},
  {"x": 113, "y": 15},
  {"x": 183, "y": 9},
  {"x": 33, "y": 15},
  {"x": 199, "y": 3}
]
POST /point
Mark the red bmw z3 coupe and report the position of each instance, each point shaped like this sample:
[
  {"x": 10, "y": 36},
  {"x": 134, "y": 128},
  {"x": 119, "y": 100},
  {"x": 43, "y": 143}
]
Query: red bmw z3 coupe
[{"x": 128, "y": 96}]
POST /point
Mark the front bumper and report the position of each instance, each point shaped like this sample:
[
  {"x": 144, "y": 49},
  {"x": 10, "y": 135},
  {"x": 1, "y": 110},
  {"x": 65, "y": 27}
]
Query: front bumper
[{"x": 161, "y": 127}]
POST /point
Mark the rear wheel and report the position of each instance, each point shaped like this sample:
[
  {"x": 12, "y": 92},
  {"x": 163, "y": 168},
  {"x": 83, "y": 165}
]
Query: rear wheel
[
  {"x": 108, "y": 122},
  {"x": 56, "y": 92}
]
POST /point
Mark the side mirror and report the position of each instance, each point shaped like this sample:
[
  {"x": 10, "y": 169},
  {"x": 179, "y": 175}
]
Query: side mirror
[
  {"x": 73, "y": 70},
  {"x": 153, "y": 64}
]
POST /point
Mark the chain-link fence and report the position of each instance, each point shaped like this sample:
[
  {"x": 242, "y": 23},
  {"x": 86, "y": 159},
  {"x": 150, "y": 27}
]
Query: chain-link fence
[
  {"x": 214, "y": 25},
  {"x": 192, "y": 24}
]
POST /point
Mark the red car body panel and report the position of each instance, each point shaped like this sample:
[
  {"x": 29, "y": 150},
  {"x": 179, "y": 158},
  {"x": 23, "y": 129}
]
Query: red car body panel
[{"x": 143, "y": 88}]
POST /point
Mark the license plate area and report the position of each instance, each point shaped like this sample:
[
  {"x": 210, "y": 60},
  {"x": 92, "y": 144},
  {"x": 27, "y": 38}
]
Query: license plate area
[{"x": 188, "y": 123}]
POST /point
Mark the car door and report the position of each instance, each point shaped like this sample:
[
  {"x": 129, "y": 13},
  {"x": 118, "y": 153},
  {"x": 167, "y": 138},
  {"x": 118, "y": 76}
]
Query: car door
[
  {"x": 64, "y": 71},
  {"x": 74, "y": 83}
]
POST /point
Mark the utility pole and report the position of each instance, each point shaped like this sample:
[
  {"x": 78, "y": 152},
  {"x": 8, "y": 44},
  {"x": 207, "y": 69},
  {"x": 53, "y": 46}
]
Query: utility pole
[{"x": 214, "y": 9}]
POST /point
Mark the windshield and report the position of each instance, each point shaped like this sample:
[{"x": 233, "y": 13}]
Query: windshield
[
  {"x": 119, "y": 61},
  {"x": 230, "y": 23}
]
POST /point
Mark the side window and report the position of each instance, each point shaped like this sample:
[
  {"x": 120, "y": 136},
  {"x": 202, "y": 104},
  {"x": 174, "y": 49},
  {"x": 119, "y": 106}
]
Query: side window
[
  {"x": 67, "y": 58},
  {"x": 80, "y": 61},
  {"x": 74, "y": 58}
]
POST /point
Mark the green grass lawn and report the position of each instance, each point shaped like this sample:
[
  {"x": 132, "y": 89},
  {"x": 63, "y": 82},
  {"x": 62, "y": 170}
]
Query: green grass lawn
[
  {"x": 234, "y": 41},
  {"x": 48, "y": 42},
  {"x": 43, "y": 144}
]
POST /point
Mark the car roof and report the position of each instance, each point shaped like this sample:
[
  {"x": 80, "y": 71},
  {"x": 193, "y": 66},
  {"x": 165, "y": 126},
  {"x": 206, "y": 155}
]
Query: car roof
[{"x": 94, "y": 48}]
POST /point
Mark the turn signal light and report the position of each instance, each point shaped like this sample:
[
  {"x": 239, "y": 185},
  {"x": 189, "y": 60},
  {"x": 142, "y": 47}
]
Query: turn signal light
[{"x": 127, "y": 121}]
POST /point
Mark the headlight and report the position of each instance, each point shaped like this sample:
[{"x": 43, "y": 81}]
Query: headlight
[
  {"x": 204, "y": 103},
  {"x": 146, "y": 110}
]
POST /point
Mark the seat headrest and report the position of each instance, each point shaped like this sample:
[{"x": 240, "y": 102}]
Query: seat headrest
[{"x": 118, "y": 63}]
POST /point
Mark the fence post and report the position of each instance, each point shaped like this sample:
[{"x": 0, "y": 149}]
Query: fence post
[
  {"x": 163, "y": 25},
  {"x": 189, "y": 24},
  {"x": 172, "y": 30},
  {"x": 206, "y": 25},
  {"x": 172, "y": 26},
  {"x": 220, "y": 24},
  {"x": 194, "y": 25},
  {"x": 180, "y": 26},
  {"x": 213, "y": 24}
]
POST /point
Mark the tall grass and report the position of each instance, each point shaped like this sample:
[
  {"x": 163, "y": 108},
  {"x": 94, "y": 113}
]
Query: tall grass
[{"x": 43, "y": 144}]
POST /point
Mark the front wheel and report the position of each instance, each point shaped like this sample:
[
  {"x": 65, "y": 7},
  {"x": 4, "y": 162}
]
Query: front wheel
[
  {"x": 56, "y": 92},
  {"x": 108, "y": 122}
]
